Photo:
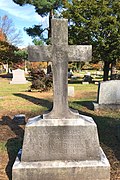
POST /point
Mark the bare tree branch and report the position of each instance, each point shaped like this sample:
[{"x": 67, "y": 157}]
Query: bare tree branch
[{"x": 13, "y": 36}]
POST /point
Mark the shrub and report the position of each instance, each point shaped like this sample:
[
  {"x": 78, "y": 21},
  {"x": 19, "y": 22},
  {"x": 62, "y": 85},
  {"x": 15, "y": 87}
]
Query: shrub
[{"x": 40, "y": 80}]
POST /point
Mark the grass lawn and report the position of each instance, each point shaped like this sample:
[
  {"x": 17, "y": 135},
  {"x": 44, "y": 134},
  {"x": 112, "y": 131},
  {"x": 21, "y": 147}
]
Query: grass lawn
[{"x": 15, "y": 99}]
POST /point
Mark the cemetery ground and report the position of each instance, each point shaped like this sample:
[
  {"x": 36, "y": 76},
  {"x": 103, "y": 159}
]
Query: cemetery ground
[{"x": 15, "y": 99}]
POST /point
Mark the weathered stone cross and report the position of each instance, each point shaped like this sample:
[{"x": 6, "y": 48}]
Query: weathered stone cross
[{"x": 60, "y": 53}]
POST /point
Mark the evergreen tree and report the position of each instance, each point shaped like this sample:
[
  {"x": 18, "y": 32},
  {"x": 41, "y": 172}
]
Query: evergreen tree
[
  {"x": 43, "y": 8},
  {"x": 96, "y": 22}
]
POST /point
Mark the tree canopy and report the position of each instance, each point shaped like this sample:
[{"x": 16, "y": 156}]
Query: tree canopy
[
  {"x": 7, "y": 52},
  {"x": 43, "y": 8},
  {"x": 96, "y": 22}
]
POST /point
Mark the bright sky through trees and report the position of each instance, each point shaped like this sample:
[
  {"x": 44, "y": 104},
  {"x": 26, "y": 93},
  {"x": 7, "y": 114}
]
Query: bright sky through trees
[{"x": 24, "y": 16}]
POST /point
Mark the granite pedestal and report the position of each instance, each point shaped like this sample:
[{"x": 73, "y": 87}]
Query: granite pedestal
[{"x": 64, "y": 149}]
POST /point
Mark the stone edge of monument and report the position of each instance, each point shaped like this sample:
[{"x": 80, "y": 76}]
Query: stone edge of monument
[
  {"x": 40, "y": 120},
  {"x": 106, "y": 106},
  {"x": 59, "y": 170}
]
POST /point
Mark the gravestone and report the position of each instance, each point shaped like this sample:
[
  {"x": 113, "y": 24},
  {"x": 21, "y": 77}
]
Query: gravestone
[
  {"x": 61, "y": 144},
  {"x": 71, "y": 91},
  {"x": 108, "y": 95},
  {"x": 5, "y": 66},
  {"x": 26, "y": 71},
  {"x": 87, "y": 78},
  {"x": 19, "y": 119},
  {"x": 18, "y": 77},
  {"x": 10, "y": 71}
]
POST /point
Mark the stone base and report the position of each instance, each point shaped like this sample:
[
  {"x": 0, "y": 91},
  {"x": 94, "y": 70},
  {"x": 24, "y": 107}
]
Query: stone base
[
  {"x": 106, "y": 106},
  {"x": 60, "y": 139},
  {"x": 61, "y": 149},
  {"x": 18, "y": 82},
  {"x": 62, "y": 170}
]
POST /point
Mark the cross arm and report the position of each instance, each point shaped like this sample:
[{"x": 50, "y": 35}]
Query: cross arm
[
  {"x": 39, "y": 53},
  {"x": 80, "y": 53}
]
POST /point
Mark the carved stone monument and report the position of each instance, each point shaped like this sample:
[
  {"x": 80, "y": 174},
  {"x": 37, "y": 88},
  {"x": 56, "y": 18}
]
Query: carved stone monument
[
  {"x": 61, "y": 144},
  {"x": 18, "y": 77}
]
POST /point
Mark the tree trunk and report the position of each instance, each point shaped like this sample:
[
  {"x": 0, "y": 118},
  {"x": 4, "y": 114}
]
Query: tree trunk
[
  {"x": 113, "y": 73},
  {"x": 49, "y": 29},
  {"x": 106, "y": 71}
]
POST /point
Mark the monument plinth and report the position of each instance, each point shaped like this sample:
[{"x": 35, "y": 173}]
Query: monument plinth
[{"x": 62, "y": 144}]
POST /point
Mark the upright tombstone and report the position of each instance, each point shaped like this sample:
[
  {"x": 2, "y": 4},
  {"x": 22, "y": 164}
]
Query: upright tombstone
[
  {"x": 71, "y": 91},
  {"x": 61, "y": 144},
  {"x": 18, "y": 77},
  {"x": 108, "y": 95},
  {"x": 87, "y": 78}
]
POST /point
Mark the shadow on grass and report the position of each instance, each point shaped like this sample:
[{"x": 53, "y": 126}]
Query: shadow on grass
[
  {"x": 37, "y": 101},
  {"x": 87, "y": 104},
  {"x": 76, "y": 81},
  {"x": 107, "y": 127},
  {"x": 13, "y": 144},
  {"x": 7, "y": 76}
]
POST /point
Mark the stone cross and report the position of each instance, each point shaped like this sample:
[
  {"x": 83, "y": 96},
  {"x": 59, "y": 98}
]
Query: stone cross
[{"x": 59, "y": 53}]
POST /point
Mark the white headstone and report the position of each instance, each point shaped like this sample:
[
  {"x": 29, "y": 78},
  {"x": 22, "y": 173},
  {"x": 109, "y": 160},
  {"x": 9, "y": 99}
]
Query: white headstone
[
  {"x": 10, "y": 71},
  {"x": 5, "y": 66},
  {"x": 18, "y": 77},
  {"x": 26, "y": 71},
  {"x": 71, "y": 90},
  {"x": 88, "y": 73}
]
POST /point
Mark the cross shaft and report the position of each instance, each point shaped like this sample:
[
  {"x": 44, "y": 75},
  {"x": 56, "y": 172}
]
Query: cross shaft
[{"x": 60, "y": 53}]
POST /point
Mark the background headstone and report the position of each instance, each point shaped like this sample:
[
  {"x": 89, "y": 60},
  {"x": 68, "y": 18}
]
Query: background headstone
[
  {"x": 18, "y": 77},
  {"x": 5, "y": 66},
  {"x": 19, "y": 119},
  {"x": 87, "y": 78},
  {"x": 108, "y": 95},
  {"x": 71, "y": 91}
]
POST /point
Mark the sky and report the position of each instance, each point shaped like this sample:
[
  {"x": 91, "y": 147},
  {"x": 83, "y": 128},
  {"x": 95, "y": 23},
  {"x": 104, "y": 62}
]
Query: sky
[{"x": 22, "y": 16}]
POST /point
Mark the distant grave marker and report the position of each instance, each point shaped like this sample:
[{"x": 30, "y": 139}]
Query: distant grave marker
[
  {"x": 108, "y": 95},
  {"x": 19, "y": 119},
  {"x": 18, "y": 77},
  {"x": 71, "y": 91}
]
